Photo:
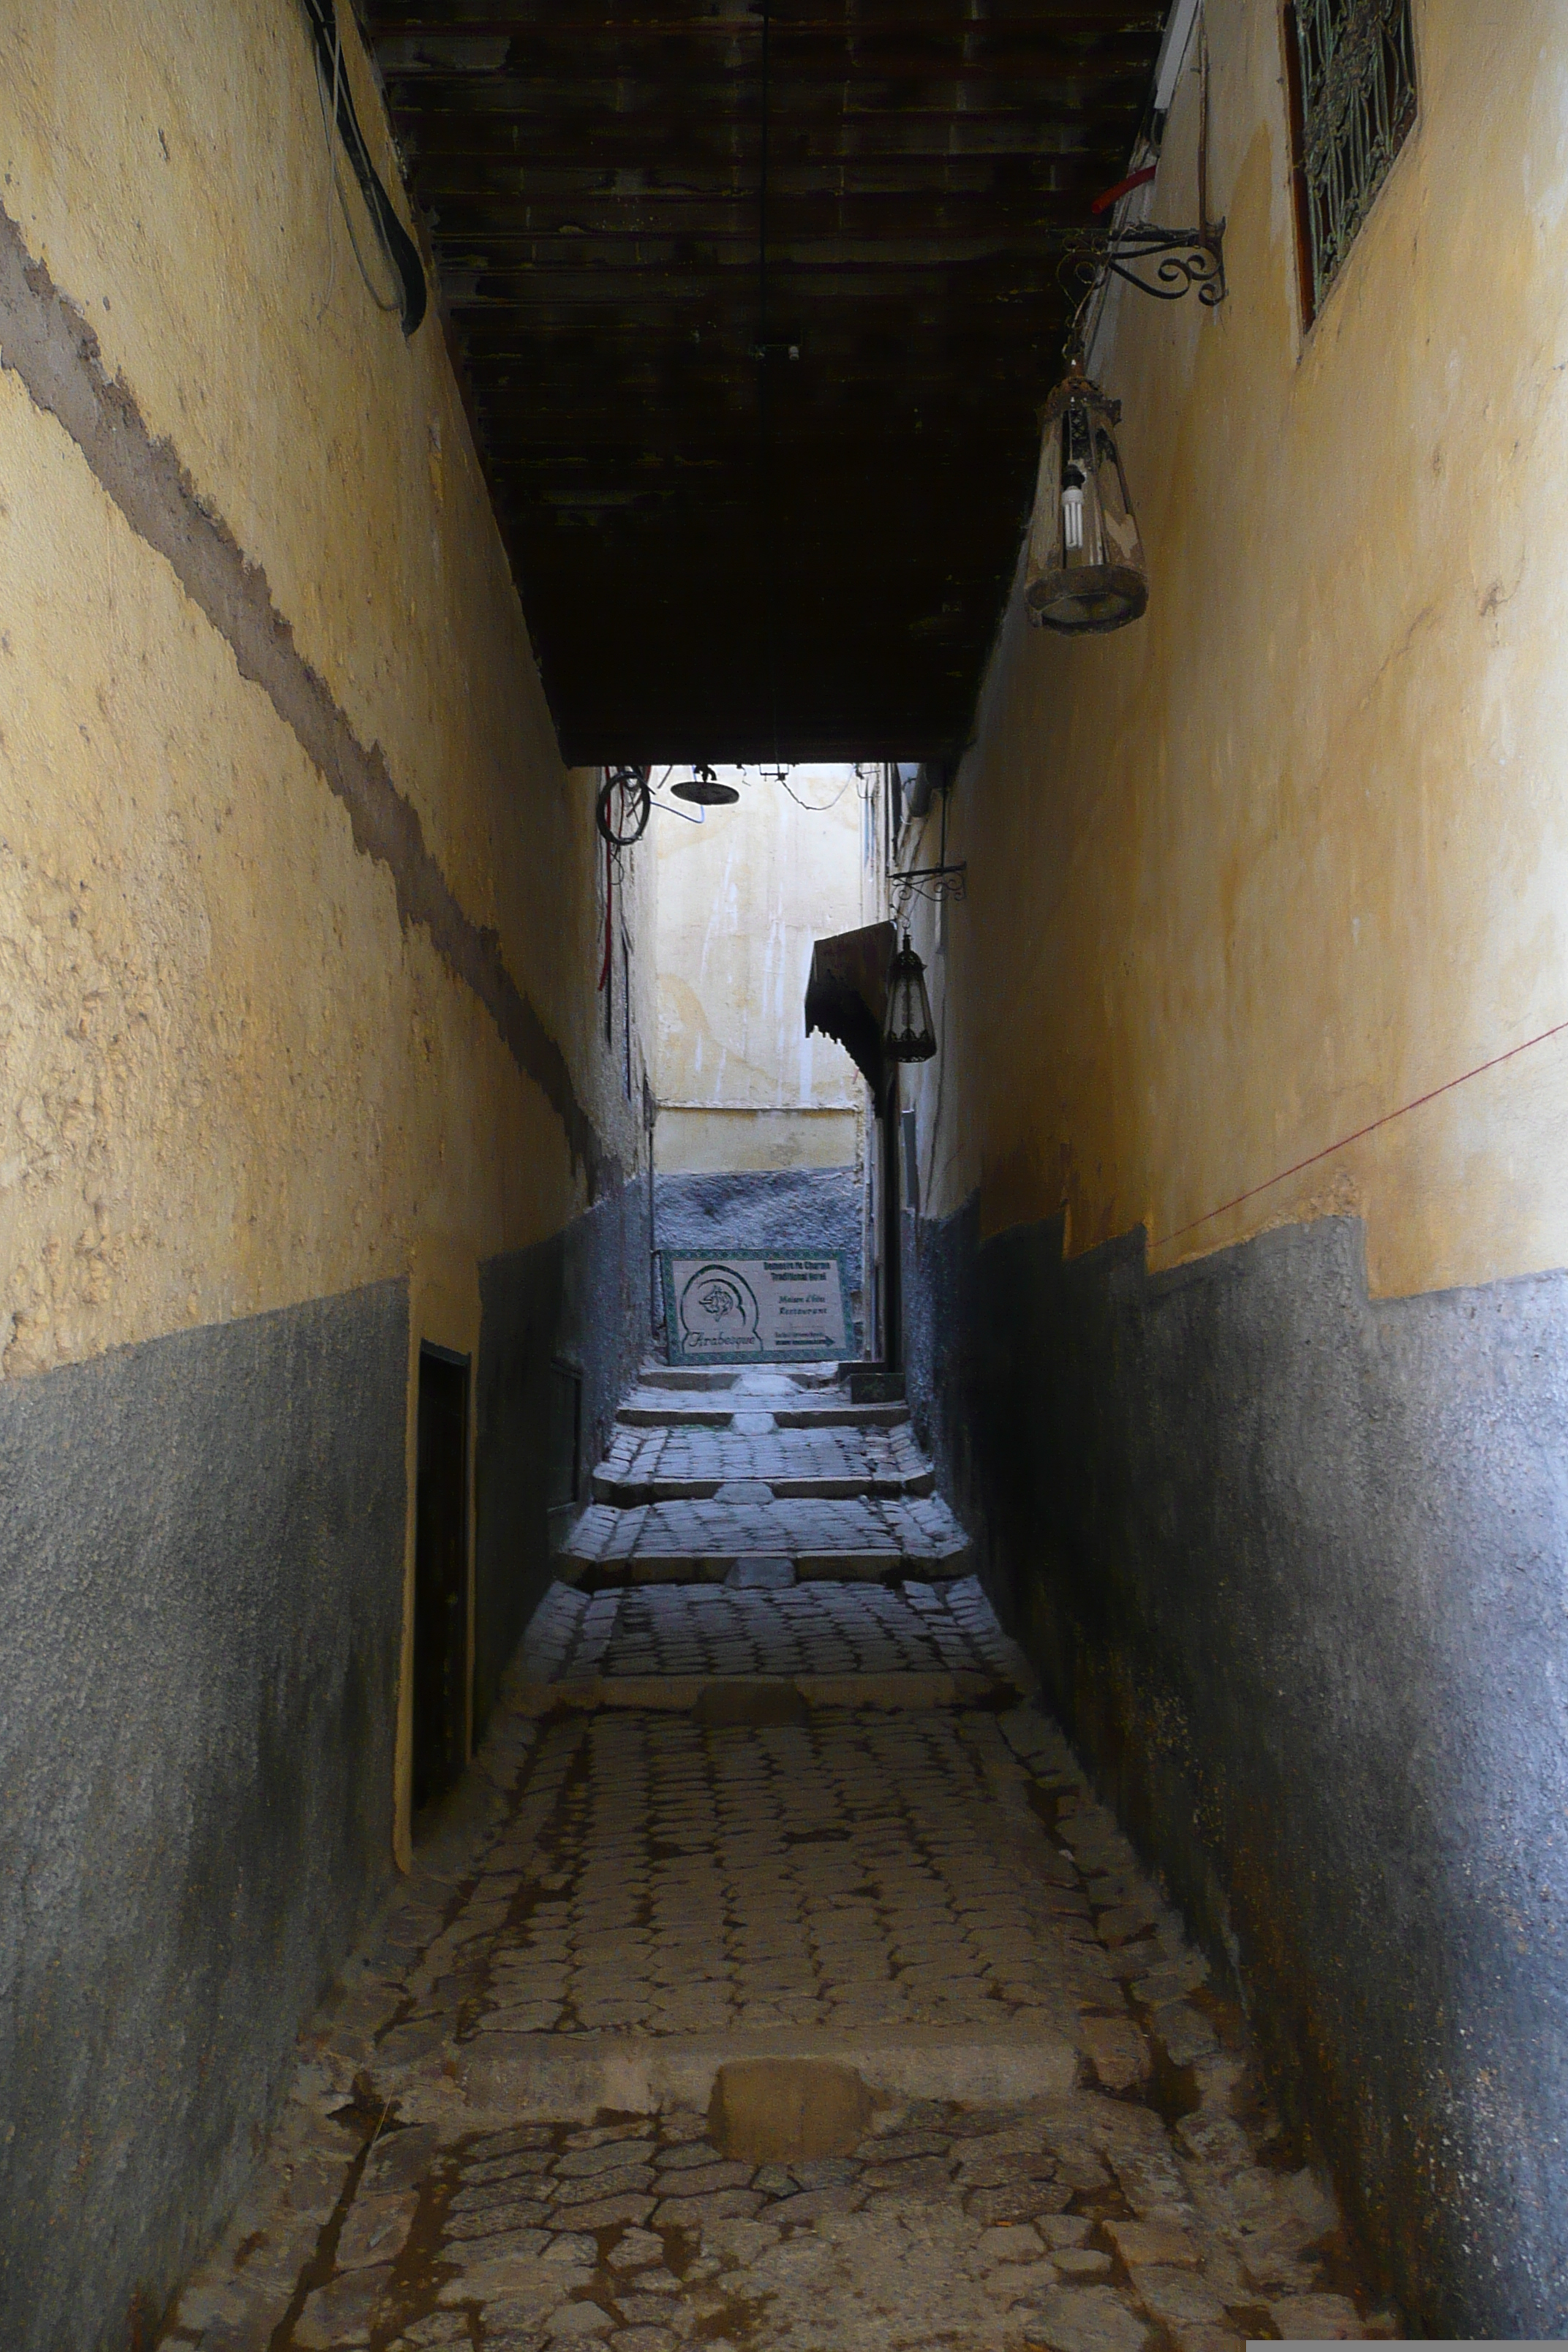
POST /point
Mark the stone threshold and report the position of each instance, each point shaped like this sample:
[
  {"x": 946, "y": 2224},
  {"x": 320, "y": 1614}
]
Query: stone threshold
[
  {"x": 573, "y": 2077},
  {"x": 676, "y": 1416},
  {"x": 749, "y": 1695},
  {"x": 626, "y": 1493},
  {"x": 770, "y": 1379},
  {"x": 638, "y": 1413},
  {"x": 841, "y": 1416},
  {"x": 714, "y": 1567}
]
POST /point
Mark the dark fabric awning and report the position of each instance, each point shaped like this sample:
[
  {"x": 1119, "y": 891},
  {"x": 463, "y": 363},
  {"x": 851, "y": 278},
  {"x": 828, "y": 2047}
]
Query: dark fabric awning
[{"x": 847, "y": 995}]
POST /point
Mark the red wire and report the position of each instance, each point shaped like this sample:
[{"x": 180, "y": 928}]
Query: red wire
[
  {"x": 1103, "y": 203},
  {"x": 1371, "y": 1128}
]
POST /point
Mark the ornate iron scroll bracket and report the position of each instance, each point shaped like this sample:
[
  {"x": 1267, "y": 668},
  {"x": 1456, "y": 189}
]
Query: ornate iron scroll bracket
[
  {"x": 1182, "y": 259},
  {"x": 931, "y": 882}
]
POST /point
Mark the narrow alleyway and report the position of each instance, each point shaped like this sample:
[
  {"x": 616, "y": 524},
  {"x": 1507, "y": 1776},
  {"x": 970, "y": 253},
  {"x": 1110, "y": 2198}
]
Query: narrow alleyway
[
  {"x": 858, "y": 682},
  {"x": 774, "y": 1980}
]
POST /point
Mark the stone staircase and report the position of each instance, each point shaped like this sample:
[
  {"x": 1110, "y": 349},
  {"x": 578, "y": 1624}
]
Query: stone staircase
[{"x": 764, "y": 1478}]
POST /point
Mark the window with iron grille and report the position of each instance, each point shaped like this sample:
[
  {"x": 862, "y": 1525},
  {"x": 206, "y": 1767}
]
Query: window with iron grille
[{"x": 1352, "y": 90}]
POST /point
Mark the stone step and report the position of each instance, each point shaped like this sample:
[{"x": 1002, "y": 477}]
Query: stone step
[
  {"x": 861, "y": 1539},
  {"x": 696, "y": 1464},
  {"x": 500, "y": 2076},
  {"x": 720, "y": 1377},
  {"x": 645, "y": 1409},
  {"x": 758, "y": 1702},
  {"x": 624, "y": 1492},
  {"x": 841, "y": 1416},
  {"x": 673, "y": 1567},
  {"x": 639, "y": 1412},
  {"x": 917, "y": 1639}
]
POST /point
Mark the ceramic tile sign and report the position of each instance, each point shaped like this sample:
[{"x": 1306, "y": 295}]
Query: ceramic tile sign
[{"x": 755, "y": 1307}]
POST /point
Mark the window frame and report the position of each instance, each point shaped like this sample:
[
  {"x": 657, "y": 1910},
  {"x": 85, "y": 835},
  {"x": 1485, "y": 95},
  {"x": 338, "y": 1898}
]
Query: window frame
[{"x": 1313, "y": 300}]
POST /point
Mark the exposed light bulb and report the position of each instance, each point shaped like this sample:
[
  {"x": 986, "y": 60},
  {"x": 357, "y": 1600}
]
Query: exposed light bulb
[
  {"x": 1072, "y": 510},
  {"x": 1086, "y": 569}
]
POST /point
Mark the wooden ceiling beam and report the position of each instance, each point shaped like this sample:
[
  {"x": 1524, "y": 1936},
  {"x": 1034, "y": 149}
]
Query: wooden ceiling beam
[{"x": 588, "y": 178}]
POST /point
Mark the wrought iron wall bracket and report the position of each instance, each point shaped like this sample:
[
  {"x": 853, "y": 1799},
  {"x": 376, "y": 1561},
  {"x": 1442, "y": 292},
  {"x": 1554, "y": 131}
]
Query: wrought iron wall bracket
[
  {"x": 1181, "y": 259},
  {"x": 932, "y": 882}
]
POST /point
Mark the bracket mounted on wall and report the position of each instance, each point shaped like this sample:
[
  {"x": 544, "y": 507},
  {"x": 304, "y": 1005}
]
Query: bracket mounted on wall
[
  {"x": 1182, "y": 259},
  {"x": 932, "y": 882}
]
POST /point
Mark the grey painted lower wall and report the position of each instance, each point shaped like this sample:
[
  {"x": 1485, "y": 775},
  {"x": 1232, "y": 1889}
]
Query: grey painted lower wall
[
  {"x": 198, "y": 1675},
  {"x": 1295, "y": 1567},
  {"x": 202, "y": 1554},
  {"x": 606, "y": 1289},
  {"x": 805, "y": 1209},
  {"x": 580, "y": 1299}
]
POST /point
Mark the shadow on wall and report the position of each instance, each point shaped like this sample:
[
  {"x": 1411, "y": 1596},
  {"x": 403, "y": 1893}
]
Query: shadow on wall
[
  {"x": 577, "y": 1306},
  {"x": 1291, "y": 1561}
]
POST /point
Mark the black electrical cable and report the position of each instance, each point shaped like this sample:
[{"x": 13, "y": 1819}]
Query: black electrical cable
[
  {"x": 814, "y": 808},
  {"x": 764, "y": 387},
  {"x": 618, "y": 830},
  {"x": 763, "y": 192},
  {"x": 399, "y": 247}
]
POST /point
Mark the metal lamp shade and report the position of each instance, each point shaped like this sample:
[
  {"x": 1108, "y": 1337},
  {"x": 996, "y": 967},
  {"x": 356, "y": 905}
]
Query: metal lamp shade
[
  {"x": 1085, "y": 568},
  {"x": 908, "y": 1034},
  {"x": 705, "y": 790}
]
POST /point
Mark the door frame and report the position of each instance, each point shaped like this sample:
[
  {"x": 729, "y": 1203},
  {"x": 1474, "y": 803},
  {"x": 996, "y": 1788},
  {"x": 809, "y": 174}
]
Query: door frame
[{"x": 443, "y": 1313}]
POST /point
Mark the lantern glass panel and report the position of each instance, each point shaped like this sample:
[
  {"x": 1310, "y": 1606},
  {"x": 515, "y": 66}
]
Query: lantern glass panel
[
  {"x": 909, "y": 1034},
  {"x": 1086, "y": 568}
]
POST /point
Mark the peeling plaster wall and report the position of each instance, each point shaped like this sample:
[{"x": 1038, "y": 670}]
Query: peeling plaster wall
[
  {"x": 300, "y": 916},
  {"x": 1265, "y": 916}
]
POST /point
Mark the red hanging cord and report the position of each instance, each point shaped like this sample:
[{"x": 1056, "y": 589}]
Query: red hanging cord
[
  {"x": 1417, "y": 1102},
  {"x": 1103, "y": 203}
]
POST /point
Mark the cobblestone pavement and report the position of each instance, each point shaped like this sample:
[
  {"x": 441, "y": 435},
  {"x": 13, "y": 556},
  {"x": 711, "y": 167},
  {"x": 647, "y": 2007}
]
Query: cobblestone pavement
[
  {"x": 860, "y": 1536},
  {"x": 650, "y": 1466},
  {"x": 622, "y": 1871},
  {"x": 817, "y": 1628},
  {"x": 848, "y": 1869},
  {"x": 753, "y": 1404},
  {"x": 760, "y": 1465},
  {"x": 509, "y": 2130},
  {"x": 1077, "y": 2224}
]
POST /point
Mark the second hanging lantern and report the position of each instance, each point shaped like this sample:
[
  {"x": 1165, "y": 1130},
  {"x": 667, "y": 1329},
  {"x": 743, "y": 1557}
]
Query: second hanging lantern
[
  {"x": 908, "y": 1034},
  {"x": 1086, "y": 569}
]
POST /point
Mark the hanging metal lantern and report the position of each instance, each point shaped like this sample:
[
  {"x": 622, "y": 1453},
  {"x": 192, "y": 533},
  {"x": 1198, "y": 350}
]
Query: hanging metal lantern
[
  {"x": 1085, "y": 568},
  {"x": 907, "y": 1034}
]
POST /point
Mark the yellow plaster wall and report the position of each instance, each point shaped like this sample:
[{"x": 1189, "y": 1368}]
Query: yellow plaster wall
[
  {"x": 1291, "y": 853},
  {"x": 716, "y": 1142},
  {"x": 741, "y": 899},
  {"x": 231, "y": 1080}
]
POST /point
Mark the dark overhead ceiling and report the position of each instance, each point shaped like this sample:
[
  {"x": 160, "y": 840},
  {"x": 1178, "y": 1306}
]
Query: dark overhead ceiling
[{"x": 589, "y": 177}]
